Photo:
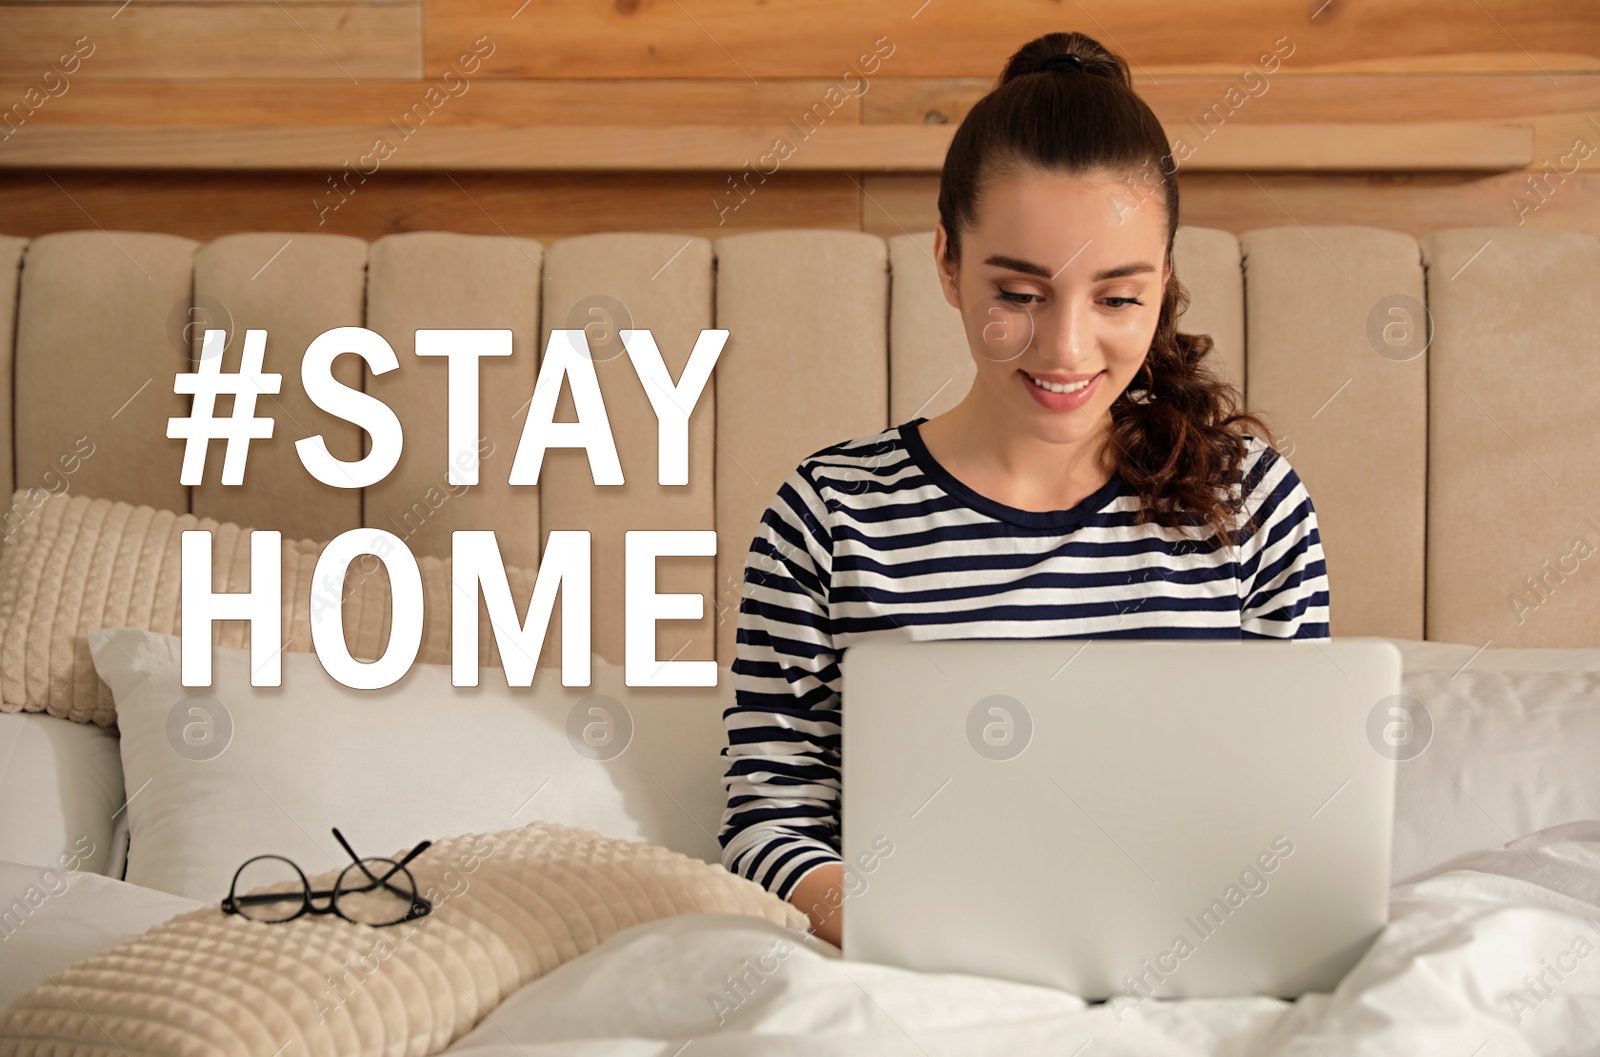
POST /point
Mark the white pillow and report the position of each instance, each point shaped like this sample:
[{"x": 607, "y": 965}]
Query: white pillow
[
  {"x": 118, "y": 866},
  {"x": 1417, "y": 655},
  {"x": 58, "y": 919},
  {"x": 272, "y": 769},
  {"x": 60, "y": 786},
  {"x": 1509, "y": 753}
]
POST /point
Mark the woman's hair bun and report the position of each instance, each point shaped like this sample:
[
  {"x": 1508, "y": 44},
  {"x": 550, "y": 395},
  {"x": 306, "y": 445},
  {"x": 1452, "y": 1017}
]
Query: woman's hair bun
[
  {"x": 1069, "y": 53},
  {"x": 1064, "y": 61}
]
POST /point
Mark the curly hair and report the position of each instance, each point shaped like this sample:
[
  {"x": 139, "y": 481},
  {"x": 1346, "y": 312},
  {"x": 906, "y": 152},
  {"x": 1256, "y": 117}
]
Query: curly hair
[{"x": 1177, "y": 438}]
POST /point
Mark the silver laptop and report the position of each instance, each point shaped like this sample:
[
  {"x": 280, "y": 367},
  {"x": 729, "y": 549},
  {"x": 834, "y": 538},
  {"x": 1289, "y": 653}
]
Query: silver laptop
[{"x": 1112, "y": 817}]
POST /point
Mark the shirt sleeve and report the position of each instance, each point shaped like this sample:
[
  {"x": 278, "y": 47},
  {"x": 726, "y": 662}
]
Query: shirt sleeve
[
  {"x": 782, "y": 815},
  {"x": 1283, "y": 578}
]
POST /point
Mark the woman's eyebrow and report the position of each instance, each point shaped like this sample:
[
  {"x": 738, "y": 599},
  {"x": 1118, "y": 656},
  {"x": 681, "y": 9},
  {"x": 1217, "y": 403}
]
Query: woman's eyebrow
[{"x": 1017, "y": 265}]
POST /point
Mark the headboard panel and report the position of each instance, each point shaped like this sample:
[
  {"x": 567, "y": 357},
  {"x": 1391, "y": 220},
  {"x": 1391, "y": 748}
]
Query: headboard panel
[
  {"x": 1430, "y": 523},
  {"x": 1514, "y": 399},
  {"x": 807, "y": 364},
  {"x": 95, "y": 357},
  {"x": 607, "y": 283},
  {"x": 930, "y": 367},
  {"x": 11, "y": 251},
  {"x": 1352, "y": 420},
  {"x": 294, "y": 286},
  {"x": 436, "y": 281}
]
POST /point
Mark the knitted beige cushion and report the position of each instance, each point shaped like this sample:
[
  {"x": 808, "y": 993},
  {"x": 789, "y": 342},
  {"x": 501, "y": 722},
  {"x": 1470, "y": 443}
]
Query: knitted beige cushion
[
  {"x": 69, "y": 564},
  {"x": 508, "y": 908}
]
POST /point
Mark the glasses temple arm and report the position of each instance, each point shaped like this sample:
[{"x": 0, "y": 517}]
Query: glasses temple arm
[
  {"x": 384, "y": 880},
  {"x": 359, "y": 862}
]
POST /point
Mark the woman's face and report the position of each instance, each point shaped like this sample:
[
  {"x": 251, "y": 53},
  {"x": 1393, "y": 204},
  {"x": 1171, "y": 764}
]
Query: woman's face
[{"x": 1060, "y": 282}]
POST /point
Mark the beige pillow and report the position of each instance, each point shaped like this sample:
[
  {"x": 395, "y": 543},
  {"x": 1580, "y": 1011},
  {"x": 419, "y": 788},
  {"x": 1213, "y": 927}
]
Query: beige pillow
[
  {"x": 70, "y": 564},
  {"x": 508, "y": 908}
]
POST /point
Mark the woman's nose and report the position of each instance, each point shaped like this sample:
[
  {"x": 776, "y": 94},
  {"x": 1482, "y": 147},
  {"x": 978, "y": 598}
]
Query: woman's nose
[{"x": 1063, "y": 335}]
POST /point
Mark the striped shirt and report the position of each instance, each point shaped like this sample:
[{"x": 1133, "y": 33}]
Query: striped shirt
[{"x": 871, "y": 538}]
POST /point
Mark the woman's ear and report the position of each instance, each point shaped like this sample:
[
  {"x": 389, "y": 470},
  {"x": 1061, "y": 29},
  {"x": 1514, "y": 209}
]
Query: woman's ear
[{"x": 947, "y": 278}]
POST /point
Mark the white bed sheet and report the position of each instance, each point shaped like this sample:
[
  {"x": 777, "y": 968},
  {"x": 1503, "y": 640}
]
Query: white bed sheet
[{"x": 1439, "y": 980}]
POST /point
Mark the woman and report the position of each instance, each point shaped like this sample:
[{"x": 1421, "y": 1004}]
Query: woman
[{"x": 1096, "y": 481}]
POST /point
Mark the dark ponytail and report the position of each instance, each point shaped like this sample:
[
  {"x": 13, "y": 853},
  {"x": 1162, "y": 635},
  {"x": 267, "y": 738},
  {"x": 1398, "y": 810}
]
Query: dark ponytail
[{"x": 1065, "y": 104}]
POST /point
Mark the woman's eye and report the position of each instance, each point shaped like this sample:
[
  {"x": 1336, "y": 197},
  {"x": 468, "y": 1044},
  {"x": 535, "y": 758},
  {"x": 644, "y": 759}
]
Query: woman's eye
[{"x": 1027, "y": 299}]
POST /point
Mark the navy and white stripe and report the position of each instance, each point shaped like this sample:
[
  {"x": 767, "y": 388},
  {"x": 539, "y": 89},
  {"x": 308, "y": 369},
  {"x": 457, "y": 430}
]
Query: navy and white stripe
[{"x": 872, "y": 538}]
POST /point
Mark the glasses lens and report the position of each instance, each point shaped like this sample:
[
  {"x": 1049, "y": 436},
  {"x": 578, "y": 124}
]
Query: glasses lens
[
  {"x": 269, "y": 889},
  {"x": 360, "y": 897}
]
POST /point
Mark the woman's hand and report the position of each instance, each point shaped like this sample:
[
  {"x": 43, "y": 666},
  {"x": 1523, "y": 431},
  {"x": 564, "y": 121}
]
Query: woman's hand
[{"x": 812, "y": 896}]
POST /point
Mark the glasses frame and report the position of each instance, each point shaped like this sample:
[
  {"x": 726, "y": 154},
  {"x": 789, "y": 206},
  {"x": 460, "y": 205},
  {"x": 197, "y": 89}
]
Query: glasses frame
[{"x": 420, "y": 906}]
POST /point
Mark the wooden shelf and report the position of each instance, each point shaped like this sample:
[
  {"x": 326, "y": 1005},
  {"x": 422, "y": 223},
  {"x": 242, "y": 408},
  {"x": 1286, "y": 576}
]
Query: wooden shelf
[{"x": 1232, "y": 147}]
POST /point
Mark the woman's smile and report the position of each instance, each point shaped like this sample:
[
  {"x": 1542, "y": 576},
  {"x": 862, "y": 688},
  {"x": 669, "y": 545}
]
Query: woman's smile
[{"x": 1061, "y": 392}]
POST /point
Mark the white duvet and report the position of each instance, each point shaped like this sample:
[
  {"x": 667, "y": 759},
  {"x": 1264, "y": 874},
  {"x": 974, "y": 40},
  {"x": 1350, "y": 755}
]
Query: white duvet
[
  {"x": 1498, "y": 957},
  {"x": 1449, "y": 976}
]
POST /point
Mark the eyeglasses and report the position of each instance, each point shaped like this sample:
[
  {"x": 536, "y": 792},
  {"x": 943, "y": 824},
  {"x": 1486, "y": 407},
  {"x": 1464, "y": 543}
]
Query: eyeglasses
[{"x": 276, "y": 890}]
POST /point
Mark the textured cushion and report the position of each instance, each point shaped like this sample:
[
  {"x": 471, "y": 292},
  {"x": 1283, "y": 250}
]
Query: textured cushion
[
  {"x": 508, "y": 908},
  {"x": 76, "y": 563}
]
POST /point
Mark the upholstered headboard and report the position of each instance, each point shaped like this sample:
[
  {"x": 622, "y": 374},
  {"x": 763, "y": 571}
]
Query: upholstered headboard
[{"x": 1448, "y": 482}]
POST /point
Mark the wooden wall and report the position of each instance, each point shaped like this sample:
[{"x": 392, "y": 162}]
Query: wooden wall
[{"x": 559, "y": 117}]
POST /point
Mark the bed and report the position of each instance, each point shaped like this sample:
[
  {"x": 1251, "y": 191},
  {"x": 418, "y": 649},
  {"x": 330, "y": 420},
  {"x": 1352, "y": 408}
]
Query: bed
[{"x": 127, "y": 800}]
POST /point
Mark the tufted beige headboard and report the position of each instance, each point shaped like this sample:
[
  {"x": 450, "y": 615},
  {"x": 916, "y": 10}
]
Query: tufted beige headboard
[{"x": 1448, "y": 482}]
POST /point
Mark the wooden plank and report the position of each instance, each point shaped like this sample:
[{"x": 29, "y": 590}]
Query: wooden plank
[
  {"x": 1253, "y": 147},
  {"x": 204, "y": 205},
  {"x": 1561, "y": 113},
  {"x": 831, "y": 146},
  {"x": 1412, "y": 202},
  {"x": 751, "y": 42},
  {"x": 1176, "y": 98},
  {"x": 348, "y": 40},
  {"x": 1288, "y": 95},
  {"x": 190, "y": 3},
  {"x": 462, "y": 102},
  {"x": 546, "y": 206}
]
